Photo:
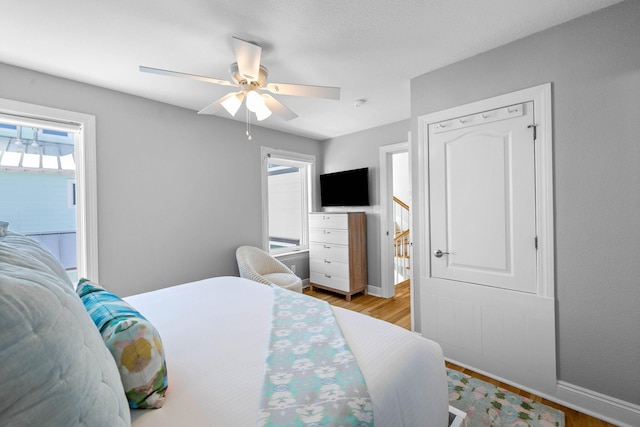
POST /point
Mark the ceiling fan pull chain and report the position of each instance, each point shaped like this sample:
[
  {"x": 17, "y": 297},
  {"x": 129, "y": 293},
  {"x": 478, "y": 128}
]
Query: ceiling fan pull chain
[{"x": 248, "y": 114}]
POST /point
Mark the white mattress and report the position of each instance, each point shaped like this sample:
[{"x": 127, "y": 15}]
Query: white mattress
[{"x": 216, "y": 334}]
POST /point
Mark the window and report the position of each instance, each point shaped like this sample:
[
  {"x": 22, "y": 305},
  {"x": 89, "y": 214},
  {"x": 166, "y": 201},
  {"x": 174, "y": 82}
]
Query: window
[
  {"x": 286, "y": 199},
  {"x": 55, "y": 156},
  {"x": 35, "y": 187}
]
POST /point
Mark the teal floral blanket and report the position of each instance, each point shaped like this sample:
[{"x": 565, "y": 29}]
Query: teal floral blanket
[{"x": 311, "y": 376}]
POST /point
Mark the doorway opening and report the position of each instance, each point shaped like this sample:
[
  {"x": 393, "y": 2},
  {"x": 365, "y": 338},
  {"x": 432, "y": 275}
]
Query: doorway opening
[
  {"x": 401, "y": 208},
  {"x": 395, "y": 222}
]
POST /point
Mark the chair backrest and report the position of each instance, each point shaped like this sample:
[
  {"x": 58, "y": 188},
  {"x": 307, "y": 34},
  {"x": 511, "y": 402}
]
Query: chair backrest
[{"x": 254, "y": 262}]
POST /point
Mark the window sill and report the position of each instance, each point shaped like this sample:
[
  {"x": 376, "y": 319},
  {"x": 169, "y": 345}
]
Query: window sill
[{"x": 285, "y": 254}]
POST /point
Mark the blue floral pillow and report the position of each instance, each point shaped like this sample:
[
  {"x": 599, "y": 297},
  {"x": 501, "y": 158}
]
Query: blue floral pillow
[{"x": 134, "y": 343}]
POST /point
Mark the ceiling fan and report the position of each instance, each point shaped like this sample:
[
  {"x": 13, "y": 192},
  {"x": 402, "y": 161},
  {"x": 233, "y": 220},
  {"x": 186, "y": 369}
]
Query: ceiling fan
[{"x": 251, "y": 77}]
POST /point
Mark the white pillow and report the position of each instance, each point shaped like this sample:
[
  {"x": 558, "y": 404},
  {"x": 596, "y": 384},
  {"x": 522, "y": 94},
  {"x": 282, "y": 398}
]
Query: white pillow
[{"x": 54, "y": 366}]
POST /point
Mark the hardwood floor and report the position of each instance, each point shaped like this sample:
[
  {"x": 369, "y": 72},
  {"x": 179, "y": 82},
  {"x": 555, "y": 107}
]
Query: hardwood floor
[
  {"x": 397, "y": 310},
  {"x": 394, "y": 310}
]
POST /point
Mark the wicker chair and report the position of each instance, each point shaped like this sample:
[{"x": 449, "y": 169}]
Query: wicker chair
[{"x": 257, "y": 265}]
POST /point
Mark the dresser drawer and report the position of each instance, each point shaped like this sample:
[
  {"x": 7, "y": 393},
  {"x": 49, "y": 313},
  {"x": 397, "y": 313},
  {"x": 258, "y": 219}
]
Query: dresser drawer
[
  {"x": 328, "y": 220},
  {"x": 331, "y": 281},
  {"x": 328, "y": 251},
  {"x": 340, "y": 237},
  {"x": 334, "y": 268}
]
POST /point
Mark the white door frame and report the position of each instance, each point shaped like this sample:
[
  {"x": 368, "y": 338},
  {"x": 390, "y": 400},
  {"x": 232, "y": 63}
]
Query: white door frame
[
  {"x": 386, "y": 215},
  {"x": 86, "y": 177}
]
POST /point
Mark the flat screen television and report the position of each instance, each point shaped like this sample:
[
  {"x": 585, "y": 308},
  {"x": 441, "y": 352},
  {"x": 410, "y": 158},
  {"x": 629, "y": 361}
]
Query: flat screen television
[{"x": 346, "y": 188}]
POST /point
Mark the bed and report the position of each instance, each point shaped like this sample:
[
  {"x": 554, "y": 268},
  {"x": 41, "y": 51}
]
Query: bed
[{"x": 215, "y": 335}]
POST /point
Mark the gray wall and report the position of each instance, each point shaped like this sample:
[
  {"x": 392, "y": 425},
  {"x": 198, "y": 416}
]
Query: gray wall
[
  {"x": 359, "y": 150},
  {"x": 177, "y": 192},
  {"x": 593, "y": 64}
]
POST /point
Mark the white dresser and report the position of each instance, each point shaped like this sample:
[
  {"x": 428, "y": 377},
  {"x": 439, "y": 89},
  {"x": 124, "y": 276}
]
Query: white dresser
[{"x": 338, "y": 252}]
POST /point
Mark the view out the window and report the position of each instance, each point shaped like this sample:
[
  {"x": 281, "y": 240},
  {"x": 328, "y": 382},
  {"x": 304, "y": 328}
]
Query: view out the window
[
  {"x": 288, "y": 201},
  {"x": 37, "y": 184}
]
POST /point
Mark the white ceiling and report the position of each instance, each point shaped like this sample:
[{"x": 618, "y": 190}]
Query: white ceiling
[{"x": 369, "y": 48}]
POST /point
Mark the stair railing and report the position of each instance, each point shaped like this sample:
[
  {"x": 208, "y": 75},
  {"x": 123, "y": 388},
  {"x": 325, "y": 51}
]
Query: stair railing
[{"x": 401, "y": 240}]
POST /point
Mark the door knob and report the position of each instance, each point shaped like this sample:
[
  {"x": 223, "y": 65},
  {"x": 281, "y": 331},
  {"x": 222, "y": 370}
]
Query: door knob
[{"x": 438, "y": 253}]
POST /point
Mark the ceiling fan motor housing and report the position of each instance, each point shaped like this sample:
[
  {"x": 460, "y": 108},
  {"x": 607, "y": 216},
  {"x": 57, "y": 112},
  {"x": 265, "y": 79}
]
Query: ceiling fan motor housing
[{"x": 242, "y": 81}]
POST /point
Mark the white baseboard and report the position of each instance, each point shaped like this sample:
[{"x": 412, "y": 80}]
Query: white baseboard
[
  {"x": 607, "y": 408},
  {"x": 306, "y": 283},
  {"x": 598, "y": 405},
  {"x": 376, "y": 291}
]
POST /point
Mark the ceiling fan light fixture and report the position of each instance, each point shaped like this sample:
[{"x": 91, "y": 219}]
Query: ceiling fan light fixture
[
  {"x": 263, "y": 113},
  {"x": 258, "y": 104},
  {"x": 255, "y": 102},
  {"x": 233, "y": 103}
]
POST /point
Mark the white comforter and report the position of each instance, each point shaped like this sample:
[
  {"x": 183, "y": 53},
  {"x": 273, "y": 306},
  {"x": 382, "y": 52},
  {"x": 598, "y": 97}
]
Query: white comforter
[{"x": 216, "y": 334}]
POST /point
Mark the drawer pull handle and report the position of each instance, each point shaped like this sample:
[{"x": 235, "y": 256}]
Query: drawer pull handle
[
  {"x": 327, "y": 276},
  {"x": 327, "y": 262},
  {"x": 327, "y": 247}
]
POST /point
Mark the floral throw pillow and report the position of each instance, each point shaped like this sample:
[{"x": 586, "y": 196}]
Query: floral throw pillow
[{"x": 134, "y": 343}]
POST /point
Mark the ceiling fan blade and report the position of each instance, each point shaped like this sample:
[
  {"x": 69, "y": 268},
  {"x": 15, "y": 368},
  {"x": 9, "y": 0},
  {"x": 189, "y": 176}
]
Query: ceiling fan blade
[
  {"x": 304, "y": 90},
  {"x": 186, "y": 76},
  {"x": 231, "y": 109},
  {"x": 248, "y": 58},
  {"x": 278, "y": 108}
]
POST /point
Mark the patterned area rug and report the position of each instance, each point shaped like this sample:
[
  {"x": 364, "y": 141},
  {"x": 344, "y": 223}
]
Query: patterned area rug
[{"x": 488, "y": 405}]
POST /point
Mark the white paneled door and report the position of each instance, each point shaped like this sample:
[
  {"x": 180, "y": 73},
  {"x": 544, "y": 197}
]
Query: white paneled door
[
  {"x": 482, "y": 190},
  {"x": 487, "y": 289}
]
